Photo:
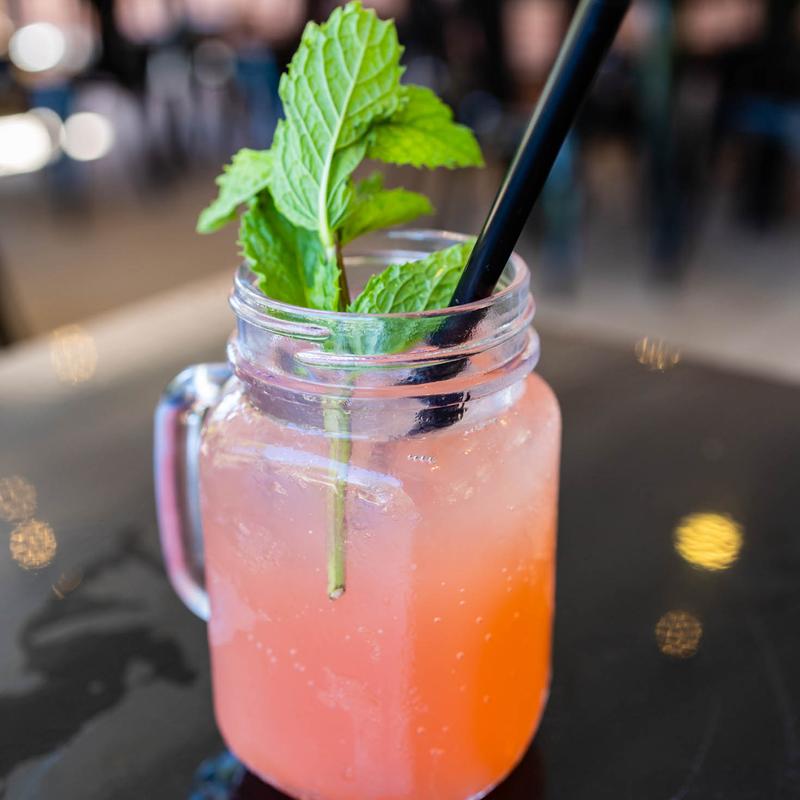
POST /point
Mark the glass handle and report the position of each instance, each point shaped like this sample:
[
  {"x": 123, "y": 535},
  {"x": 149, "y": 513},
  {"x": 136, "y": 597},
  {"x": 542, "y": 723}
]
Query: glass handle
[{"x": 179, "y": 419}]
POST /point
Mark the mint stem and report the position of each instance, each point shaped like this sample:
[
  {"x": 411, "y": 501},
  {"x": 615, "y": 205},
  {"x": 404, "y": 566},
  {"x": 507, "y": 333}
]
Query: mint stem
[
  {"x": 337, "y": 427},
  {"x": 344, "y": 289}
]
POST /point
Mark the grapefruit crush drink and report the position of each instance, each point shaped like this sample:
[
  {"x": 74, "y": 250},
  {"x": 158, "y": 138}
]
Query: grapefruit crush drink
[
  {"x": 373, "y": 473},
  {"x": 427, "y": 676}
]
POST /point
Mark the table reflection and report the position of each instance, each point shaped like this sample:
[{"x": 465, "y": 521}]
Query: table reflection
[{"x": 223, "y": 777}]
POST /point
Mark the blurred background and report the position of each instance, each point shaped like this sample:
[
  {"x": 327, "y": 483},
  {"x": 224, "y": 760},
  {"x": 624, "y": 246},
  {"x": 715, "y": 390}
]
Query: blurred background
[
  {"x": 666, "y": 241},
  {"x": 669, "y": 223}
]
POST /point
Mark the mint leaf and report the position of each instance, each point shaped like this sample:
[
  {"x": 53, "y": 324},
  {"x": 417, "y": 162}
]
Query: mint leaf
[
  {"x": 344, "y": 77},
  {"x": 420, "y": 285},
  {"x": 241, "y": 180},
  {"x": 422, "y": 133},
  {"x": 289, "y": 261},
  {"x": 374, "y": 207}
]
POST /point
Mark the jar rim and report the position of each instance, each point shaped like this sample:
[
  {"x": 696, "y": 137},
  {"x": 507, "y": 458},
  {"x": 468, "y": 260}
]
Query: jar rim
[
  {"x": 251, "y": 304},
  {"x": 314, "y": 348}
]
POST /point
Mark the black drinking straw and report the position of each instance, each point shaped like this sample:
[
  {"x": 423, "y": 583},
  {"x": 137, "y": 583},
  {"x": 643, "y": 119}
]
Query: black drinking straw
[{"x": 589, "y": 37}]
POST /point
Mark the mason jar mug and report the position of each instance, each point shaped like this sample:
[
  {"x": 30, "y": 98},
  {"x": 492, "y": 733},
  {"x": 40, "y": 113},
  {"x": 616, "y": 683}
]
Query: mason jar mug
[{"x": 377, "y": 506}]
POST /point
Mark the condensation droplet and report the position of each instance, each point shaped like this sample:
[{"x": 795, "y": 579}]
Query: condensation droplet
[
  {"x": 486, "y": 698},
  {"x": 436, "y": 752},
  {"x": 488, "y": 637},
  {"x": 478, "y": 620},
  {"x": 422, "y": 458},
  {"x": 348, "y": 773},
  {"x": 460, "y": 655},
  {"x": 420, "y": 730},
  {"x": 437, "y": 619},
  {"x": 292, "y": 651}
]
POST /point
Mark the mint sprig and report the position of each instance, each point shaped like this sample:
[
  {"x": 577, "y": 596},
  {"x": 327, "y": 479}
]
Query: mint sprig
[
  {"x": 343, "y": 78},
  {"x": 343, "y": 103}
]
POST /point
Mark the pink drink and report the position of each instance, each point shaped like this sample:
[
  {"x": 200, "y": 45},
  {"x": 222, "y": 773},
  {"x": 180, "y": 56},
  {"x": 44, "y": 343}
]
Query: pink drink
[{"x": 427, "y": 678}]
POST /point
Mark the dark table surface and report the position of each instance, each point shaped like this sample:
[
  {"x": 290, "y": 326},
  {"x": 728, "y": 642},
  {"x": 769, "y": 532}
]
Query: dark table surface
[{"x": 671, "y": 682}]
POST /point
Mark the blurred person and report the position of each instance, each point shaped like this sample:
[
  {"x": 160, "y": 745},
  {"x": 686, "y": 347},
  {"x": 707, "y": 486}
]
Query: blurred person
[
  {"x": 216, "y": 102},
  {"x": 165, "y": 97},
  {"x": 481, "y": 54},
  {"x": 73, "y": 43},
  {"x": 533, "y": 32},
  {"x": 712, "y": 39},
  {"x": 760, "y": 100},
  {"x": 266, "y": 33}
]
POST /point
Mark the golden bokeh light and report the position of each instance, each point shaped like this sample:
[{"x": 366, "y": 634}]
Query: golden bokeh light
[
  {"x": 656, "y": 354},
  {"x": 17, "y": 498},
  {"x": 678, "y": 634},
  {"x": 73, "y": 354},
  {"x": 708, "y": 540},
  {"x": 33, "y": 544}
]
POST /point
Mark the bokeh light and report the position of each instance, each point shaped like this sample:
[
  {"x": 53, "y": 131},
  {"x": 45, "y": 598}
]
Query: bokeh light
[
  {"x": 73, "y": 354},
  {"x": 25, "y": 144},
  {"x": 33, "y": 544},
  {"x": 656, "y": 354},
  {"x": 87, "y": 136},
  {"x": 678, "y": 634},
  {"x": 708, "y": 540},
  {"x": 53, "y": 125},
  {"x": 17, "y": 498},
  {"x": 37, "y": 47}
]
